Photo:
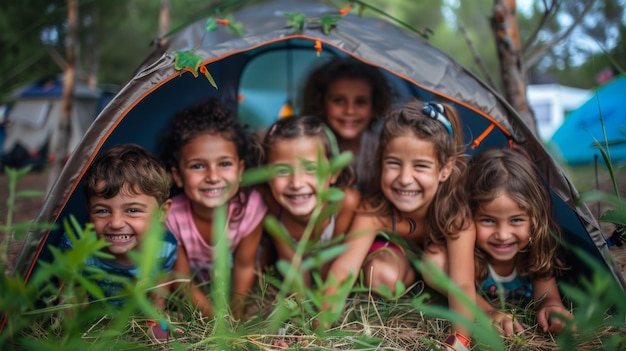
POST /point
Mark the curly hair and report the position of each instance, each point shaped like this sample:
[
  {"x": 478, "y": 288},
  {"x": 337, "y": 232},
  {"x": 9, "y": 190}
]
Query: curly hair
[
  {"x": 318, "y": 81},
  {"x": 210, "y": 117},
  {"x": 127, "y": 168},
  {"x": 448, "y": 213},
  {"x": 494, "y": 171},
  {"x": 307, "y": 126}
]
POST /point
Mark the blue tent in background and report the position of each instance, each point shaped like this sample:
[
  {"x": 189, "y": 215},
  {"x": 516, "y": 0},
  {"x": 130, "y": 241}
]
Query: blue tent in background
[{"x": 575, "y": 138}]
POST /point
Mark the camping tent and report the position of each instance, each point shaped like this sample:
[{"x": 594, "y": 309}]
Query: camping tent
[
  {"x": 143, "y": 107},
  {"x": 35, "y": 116},
  {"x": 576, "y": 136}
]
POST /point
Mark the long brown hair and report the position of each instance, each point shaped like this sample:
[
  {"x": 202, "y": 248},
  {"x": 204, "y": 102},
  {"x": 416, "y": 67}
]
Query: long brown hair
[
  {"x": 448, "y": 214},
  {"x": 495, "y": 171}
]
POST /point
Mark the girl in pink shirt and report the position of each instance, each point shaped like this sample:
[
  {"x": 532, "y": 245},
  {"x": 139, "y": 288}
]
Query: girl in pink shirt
[{"x": 208, "y": 152}]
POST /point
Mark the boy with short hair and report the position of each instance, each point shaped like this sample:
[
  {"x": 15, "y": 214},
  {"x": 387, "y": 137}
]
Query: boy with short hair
[{"x": 125, "y": 186}]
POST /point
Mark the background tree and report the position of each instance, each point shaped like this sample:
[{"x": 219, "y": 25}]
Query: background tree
[
  {"x": 113, "y": 38},
  {"x": 60, "y": 142},
  {"x": 550, "y": 37},
  {"x": 26, "y": 36},
  {"x": 556, "y": 36}
]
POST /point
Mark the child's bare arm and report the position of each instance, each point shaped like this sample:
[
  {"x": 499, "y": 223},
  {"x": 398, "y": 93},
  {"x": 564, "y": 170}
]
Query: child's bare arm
[
  {"x": 550, "y": 312},
  {"x": 344, "y": 219},
  {"x": 244, "y": 270},
  {"x": 197, "y": 296},
  {"x": 347, "y": 212},
  {"x": 348, "y": 264},
  {"x": 461, "y": 272},
  {"x": 284, "y": 249}
]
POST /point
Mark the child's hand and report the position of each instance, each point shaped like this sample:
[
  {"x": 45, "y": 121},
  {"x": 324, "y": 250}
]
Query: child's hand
[
  {"x": 505, "y": 323},
  {"x": 552, "y": 318}
]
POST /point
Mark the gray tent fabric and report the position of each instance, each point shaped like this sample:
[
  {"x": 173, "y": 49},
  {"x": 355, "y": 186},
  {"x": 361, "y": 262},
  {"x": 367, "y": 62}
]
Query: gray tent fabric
[{"x": 142, "y": 108}]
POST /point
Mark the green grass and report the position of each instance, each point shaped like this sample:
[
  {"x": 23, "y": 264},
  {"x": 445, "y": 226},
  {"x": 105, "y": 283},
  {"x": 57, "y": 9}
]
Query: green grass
[
  {"x": 584, "y": 177},
  {"x": 281, "y": 314}
]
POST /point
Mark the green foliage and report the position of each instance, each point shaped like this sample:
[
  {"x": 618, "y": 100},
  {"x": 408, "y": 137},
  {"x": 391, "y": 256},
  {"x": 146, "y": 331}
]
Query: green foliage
[
  {"x": 297, "y": 20},
  {"x": 596, "y": 295},
  {"x": 42, "y": 314},
  {"x": 9, "y": 230},
  {"x": 54, "y": 299},
  {"x": 212, "y": 24},
  {"x": 189, "y": 61},
  {"x": 480, "y": 328},
  {"x": 329, "y": 22},
  {"x": 220, "y": 284},
  {"x": 617, "y": 215}
]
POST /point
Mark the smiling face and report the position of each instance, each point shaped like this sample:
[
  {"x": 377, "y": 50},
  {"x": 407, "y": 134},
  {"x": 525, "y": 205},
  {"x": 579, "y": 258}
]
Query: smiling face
[
  {"x": 411, "y": 175},
  {"x": 122, "y": 220},
  {"x": 348, "y": 105},
  {"x": 209, "y": 171},
  {"x": 502, "y": 231},
  {"x": 295, "y": 187}
]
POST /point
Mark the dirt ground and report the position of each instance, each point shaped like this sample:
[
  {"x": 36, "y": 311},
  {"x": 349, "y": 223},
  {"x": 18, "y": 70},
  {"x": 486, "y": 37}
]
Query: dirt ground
[{"x": 27, "y": 208}]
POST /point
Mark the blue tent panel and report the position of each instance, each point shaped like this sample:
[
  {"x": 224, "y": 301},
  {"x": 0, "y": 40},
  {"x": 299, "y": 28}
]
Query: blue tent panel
[{"x": 575, "y": 138}]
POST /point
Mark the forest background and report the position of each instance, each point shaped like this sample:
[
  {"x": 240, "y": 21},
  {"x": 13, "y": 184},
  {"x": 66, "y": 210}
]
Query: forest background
[{"x": 572, "y": 41}]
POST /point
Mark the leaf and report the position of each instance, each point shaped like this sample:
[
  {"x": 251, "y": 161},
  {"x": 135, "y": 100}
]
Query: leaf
[
  {"x": 607, "y": 159},
  {"x": 615, "y": 217},
  {"x": 297, "y": 20},
  {"x": 94, "y": 289},
  {"x": 322, "y": 257},
  {"x": 328, "y": 22},
  {"x": 340, "y": 161},
  {"x": 291, "y": 304},
  {"x": 282, "y": 267},
  {"x": 152, "y": 242},
  {"x": 29, "y": 193},
  {"x": 22, "y": 172},
  {"x": 332, "y": 194},
  {"x": 187, "y": 61},
  {"x": 208, "y": 76},
  {"x": 258, "y": 175},
  {"x": 615, "y": 142},
  {"x": 328, "y": 210},
  {"x": 211, "y": 25},
  {"x": 322, "y": 168},
  {"x": 334, "y": 147},
  {"x": 361, "y": 9},
  {"x": 235, "y": 27},
  {"x": 276, "y": 229},
  {"x": 596, "y": 195}
]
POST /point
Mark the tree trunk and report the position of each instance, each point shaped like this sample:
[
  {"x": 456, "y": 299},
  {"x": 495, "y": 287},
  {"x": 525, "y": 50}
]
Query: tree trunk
[
  {"x": 512, "y": 69},
  {"x": 92, "y": 47},
  {"x": 60, "y": 138},
  {"x": 164, "y": 20}
]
